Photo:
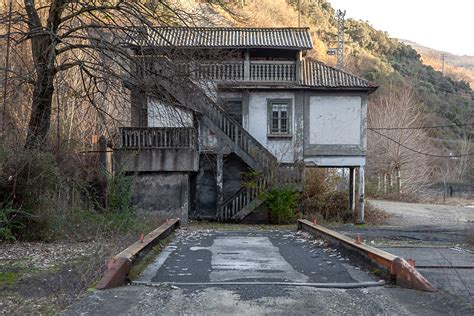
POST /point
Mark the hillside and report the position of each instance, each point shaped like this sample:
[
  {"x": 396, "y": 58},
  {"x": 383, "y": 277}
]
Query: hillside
[
  {"x": 456, "y": 66},
  {"x": 372, "y": 54}
]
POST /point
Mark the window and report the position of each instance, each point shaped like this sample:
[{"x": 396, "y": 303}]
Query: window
[{"x": 279, "y": 117}]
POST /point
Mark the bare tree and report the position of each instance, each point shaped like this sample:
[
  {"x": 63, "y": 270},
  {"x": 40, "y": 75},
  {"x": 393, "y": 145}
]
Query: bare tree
[
  {"x": 85, "y": 40},
  {"x": 391, "y": 163}
]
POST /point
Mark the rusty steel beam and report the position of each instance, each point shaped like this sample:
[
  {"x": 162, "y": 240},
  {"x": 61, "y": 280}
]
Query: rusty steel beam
[{"x": 397, "y": 268}]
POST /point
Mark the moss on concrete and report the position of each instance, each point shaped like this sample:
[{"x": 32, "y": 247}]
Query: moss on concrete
[
  {"x": 140, "y": 265},
  {"x": 8, "y": 278}
]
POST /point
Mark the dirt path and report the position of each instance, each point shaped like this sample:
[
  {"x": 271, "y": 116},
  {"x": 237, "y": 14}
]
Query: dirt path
[{"x": 416, "y": 214}]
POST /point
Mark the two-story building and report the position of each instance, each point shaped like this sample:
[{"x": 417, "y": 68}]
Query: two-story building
[{"x": 211, "y": 105}]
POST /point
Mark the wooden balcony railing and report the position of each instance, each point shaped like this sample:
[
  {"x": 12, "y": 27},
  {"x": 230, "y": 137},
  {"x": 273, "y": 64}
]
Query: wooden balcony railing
[
  {"x": 158, "y": 137},
  {"x": 239, "y": 71},
  {"x": 219, "y": 71},
  {"x": 281, "y": 71}
]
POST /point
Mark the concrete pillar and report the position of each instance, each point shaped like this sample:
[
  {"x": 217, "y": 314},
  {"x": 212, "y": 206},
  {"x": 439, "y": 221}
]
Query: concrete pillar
[
  {"x": 360, "y": 217},
  {"x": 299, "y": 126},
  {"x": 245, "y": 109},
  {"x": 299, "y": 58},
  {"x": 352, "y": 192},
  {"x": 220, "y": 178},
  {"x": 247, "y": 65}
]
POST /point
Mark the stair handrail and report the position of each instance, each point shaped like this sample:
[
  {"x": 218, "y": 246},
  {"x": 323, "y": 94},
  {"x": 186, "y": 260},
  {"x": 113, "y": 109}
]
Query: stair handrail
[{"x": 216, "y": 115}]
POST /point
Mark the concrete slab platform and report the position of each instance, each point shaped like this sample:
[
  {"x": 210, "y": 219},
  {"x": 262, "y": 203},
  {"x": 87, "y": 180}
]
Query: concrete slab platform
[
  {"x": 435, "y": 256},
  {"x": 236, "y": 256}
]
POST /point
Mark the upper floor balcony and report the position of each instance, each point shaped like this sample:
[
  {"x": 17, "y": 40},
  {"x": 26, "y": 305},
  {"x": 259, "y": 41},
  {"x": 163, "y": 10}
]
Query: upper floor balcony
[
  {"x": 252, "y": 71},
  {"x": 228, "y": 71}
]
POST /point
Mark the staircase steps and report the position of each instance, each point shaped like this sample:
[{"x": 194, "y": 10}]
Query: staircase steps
[{"x": 254, "y": 154}]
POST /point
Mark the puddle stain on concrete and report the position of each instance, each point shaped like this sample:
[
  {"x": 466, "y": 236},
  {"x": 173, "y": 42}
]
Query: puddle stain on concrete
[{"x": 250, "y": 258}]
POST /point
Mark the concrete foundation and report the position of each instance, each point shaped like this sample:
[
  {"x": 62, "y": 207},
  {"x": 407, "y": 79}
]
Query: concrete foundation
[{"x": 164, "y": 193}]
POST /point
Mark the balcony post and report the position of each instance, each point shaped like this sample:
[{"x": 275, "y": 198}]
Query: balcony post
[
  {"x": 299, "y": 58},
  {"x": 247, "y": 65}
]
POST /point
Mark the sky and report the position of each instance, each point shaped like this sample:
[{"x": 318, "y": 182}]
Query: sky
[{"x": 443, "y": 25}]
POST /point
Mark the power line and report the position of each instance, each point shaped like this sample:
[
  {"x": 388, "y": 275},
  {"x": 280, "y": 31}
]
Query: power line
[
  {"x": 420, "y": 152},
  {"x": 422, "y": 127}
]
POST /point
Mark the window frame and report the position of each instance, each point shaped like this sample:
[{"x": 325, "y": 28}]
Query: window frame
[{"x": 270, "y": 105}]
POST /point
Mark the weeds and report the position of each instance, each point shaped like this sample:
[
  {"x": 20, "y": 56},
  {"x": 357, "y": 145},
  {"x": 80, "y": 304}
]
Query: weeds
[
  {"x": 8, "y": 278},
  {"x": 282, "y": 203},
  {"x": 10, "y": 222}
]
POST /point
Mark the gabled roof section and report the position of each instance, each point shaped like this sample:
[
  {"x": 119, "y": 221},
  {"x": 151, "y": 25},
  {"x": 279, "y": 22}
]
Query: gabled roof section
[
  {"x": 225, "y": 37},
  {"x": 320, "y": 75}
]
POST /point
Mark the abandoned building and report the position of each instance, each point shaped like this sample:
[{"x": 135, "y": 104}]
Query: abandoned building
[{"x": 211, "y": 106}]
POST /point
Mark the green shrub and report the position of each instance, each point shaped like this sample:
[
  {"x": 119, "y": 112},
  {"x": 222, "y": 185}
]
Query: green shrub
[
  {"x": 11, "y": 221},
  {"x": 282, "y": 203}
]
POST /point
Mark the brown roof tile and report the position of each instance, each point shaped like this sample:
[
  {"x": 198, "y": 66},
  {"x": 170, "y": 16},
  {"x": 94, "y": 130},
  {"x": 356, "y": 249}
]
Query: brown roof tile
[
  {"x": 318, "y": 74},
  {"x": 225, "y": 37}
]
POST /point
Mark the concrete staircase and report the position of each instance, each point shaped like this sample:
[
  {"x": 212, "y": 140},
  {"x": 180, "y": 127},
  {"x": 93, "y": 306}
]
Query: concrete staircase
[{"x": 241, "y": 142}]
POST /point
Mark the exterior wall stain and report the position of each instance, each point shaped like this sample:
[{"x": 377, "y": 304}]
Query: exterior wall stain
[{"x": 166, "y": 194}]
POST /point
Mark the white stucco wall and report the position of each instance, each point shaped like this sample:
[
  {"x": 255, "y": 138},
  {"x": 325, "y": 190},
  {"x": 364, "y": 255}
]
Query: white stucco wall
[
  {"x": 335, "y": 120},
  {"x": 162, "y": 115},
  {"x": 282, "y": 148}
]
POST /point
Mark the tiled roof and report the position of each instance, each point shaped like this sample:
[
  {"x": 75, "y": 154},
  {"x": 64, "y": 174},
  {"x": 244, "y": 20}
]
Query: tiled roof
[
  {"x": 223, "y": 37},
  {"x": 317, "y": 74}
]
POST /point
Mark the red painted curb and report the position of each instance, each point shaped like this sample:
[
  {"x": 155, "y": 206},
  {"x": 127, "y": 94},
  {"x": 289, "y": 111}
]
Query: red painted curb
[
  {"x": 398, "y": 268},
  {"x": 116, "y": 273},
  {"x": 119, "y": 267},
  {"x": 408, "y": 277}
]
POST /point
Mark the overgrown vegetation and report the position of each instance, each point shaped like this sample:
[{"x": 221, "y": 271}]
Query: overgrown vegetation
[
  {"x": 282, "y": 203},
  {"x": 47, "y": 197},
  {"x": 326, "y": 199}
]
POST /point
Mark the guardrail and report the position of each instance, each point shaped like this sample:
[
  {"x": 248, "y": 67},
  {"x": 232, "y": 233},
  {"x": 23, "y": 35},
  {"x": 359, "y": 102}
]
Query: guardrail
[{"x": 157, "y": 137}]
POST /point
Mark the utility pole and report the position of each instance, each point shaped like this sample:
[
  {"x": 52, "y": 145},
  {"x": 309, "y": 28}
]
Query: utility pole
[
  {"x": 339, "y": 51},
  {"x": 443, "y": 56},
  {"x": 340, "y": 38}
]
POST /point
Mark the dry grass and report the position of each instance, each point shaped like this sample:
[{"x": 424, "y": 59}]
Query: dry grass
[
  {"x": 458, "y": 73},
  {"x": 44, "y": 278}
]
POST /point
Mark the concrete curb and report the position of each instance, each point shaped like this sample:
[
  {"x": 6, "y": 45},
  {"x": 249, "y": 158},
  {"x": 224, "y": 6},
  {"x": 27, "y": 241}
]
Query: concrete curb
[
  {"x": 397, "y": 268},
  {"x": 119, "y": 266}
]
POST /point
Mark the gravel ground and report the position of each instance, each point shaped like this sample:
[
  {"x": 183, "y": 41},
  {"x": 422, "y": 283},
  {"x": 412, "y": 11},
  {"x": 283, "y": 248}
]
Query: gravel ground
[
  {"x": 417, "y": 214},
  {"x": 43, "y": 278}
]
